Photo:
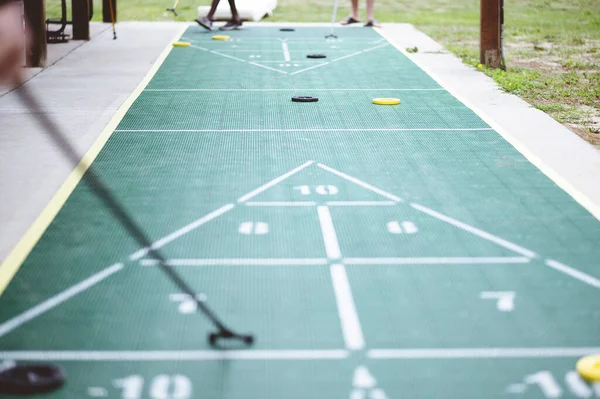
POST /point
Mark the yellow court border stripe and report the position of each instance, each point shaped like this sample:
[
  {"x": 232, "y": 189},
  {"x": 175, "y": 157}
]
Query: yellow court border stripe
[
  {"x": 19, "y": 253},
  {"x": 553, "y": 175}
]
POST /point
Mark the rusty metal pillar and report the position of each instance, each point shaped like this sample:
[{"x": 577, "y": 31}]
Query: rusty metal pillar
[{"x": 492, "y": 19}]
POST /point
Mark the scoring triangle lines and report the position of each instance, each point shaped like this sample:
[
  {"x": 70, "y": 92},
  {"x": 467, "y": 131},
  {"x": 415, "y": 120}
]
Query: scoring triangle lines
[
  {"x": 319, "y": 185},
  {"x": 294, "y": 189}
]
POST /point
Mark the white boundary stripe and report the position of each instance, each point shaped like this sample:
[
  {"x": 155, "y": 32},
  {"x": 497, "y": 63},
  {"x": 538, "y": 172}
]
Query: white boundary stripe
[
  {"x": 56, "y": 300},
  {"x": 435, "y": 261},
  {"x": 361, "y": 203},
  {"x": 586, "y": 278},
  {"x": 353, "y": 336},
  {"x": 184, "y": 230},
  {"x": 479, "y": 353},
  {"x": 360, "y": 183},
  {"x": 341, "y": 58},
  {"x": 266, "y": 67},
  {"x": 282, "y": 203},
  {"x": 286, "y": 51},
  {"x": 349, "y": 261},
  {"x": 303, "y": 130},
  {"x": 434, "y": 353},
  {"x": 315, "y": 66},
  {"x": 273, "y": 182},
  {"x": 174, "y": 355},
  {"x": 227, "y": 56},
  {"x": 198, "y": 47},
  {"x": 272, "y": 52},
  {"x": 237, "y": 59},
  {"x": 239, "y": 262},
  {"x": 575, "y": 193},
  {"x": 332, "y": 247},
  {"x": 476, "y": 231},
  {"x": 276, "y": 90}
]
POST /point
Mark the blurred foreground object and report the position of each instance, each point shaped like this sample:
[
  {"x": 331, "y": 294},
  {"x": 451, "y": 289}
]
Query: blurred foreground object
[{"x": 13, "y": 43}]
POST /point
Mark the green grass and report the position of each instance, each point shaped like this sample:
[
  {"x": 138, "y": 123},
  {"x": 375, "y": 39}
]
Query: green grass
[{"x": 551, "y": 46}]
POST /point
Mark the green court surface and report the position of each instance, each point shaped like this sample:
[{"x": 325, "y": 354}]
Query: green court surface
[{"x": 376, "y": 251}]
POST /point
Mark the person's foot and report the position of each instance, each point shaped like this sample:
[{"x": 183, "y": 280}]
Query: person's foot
[
  {"x": 232, "y": 25},
  {"x": 204, "y": 22},
  {"x": 349, "y": 21},
  {"x": 373, "y": 23}
]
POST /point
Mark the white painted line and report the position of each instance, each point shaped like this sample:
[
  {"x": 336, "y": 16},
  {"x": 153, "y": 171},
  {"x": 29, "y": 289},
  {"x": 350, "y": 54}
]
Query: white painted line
[
  {"x": 476, "y": 231},
  {"x": 56, "y": 300},
  {"x": 267, "y": 67},
  {"x": 353, "y": 336},
  {"x": 340, "y": 58},
  {"x": 286, "y": 51},
  {"x": 586, "y": 278},
  {"x": 479, "y": 353},
  {"x": 361, "y": 203},
  {"x": 314, "y": 67},
  {"x": 294, "y": 89},
  {"x": 273, "y": 182},
  {"x": 174, "y": 355},
  {"x": 238, "y": 59},
  {"x": 360, "y": 183},
  {"x": 184, "y": 230},
  {"x": 282, "y": 203},
  {"x": 332, "y": 247},
  {"x": 227, "y": 56},
  {"x": 198, "y": 47},
  {"x": 296, "y": 62},
  {"x": 239, "y": 262},
  {"x": 435, "y": 261},
  {"x": 237, "y": 50},
  {"x": 300, "y": 130}
]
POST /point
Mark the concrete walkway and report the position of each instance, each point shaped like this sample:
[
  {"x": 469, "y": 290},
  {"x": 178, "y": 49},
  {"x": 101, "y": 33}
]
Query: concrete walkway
[
  {"x": 87, "y": 84},
  {"x": 82, "y": 91}
]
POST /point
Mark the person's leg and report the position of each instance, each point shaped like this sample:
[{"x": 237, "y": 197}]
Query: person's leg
[
  {"x": 353, "y": 18},
  {"x": 371, "y": 22},
  {"x": 206, "y": 22},
  {"x": 370, "y": 9},
  {"x": 234, "y": 12},
  {"x": 213, "y": 9},
  {"x": 355, "y": 9},
  {"x": 236, "y": 21}
]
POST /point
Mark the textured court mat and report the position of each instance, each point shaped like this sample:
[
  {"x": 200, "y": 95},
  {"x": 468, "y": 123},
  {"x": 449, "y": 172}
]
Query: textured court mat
[{"x": 444, "y": 230}]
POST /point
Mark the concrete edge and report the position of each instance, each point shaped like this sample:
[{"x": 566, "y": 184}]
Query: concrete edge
[
  {"x": 568, "y": 160},
  {"x": 18, "y": 252}
]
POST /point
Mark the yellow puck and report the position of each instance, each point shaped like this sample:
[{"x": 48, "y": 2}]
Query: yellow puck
[
  {"x": 181, "y": 44},
  {"x": 220, "y": 37},
  {"x": 386, "y": 101},
  {"x": 589, "y": 368}
]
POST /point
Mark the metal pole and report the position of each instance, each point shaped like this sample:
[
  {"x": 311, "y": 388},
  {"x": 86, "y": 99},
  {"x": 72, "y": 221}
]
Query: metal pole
[{"x": 490, "y": 52}]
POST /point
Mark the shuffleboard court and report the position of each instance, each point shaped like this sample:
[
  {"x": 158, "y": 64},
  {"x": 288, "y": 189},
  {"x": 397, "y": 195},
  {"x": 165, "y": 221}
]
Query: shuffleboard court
[{"x": 375, "y": 251}]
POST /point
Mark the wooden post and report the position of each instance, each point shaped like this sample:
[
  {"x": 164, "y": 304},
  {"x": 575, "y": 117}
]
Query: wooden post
[
  {"x": 490, "y": 51},
  {"x": 81, "y": 19},
  {"x": 106, "y": 7},
  {"x": 35, "y": 17}
]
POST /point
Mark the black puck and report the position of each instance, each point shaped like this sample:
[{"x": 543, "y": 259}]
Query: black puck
[
  {"x": 287, "y": 29},
  {"x": 316, "y": 56},
  {"x": 31, "y": 379},
  {"x": 304, "y": 99}
]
